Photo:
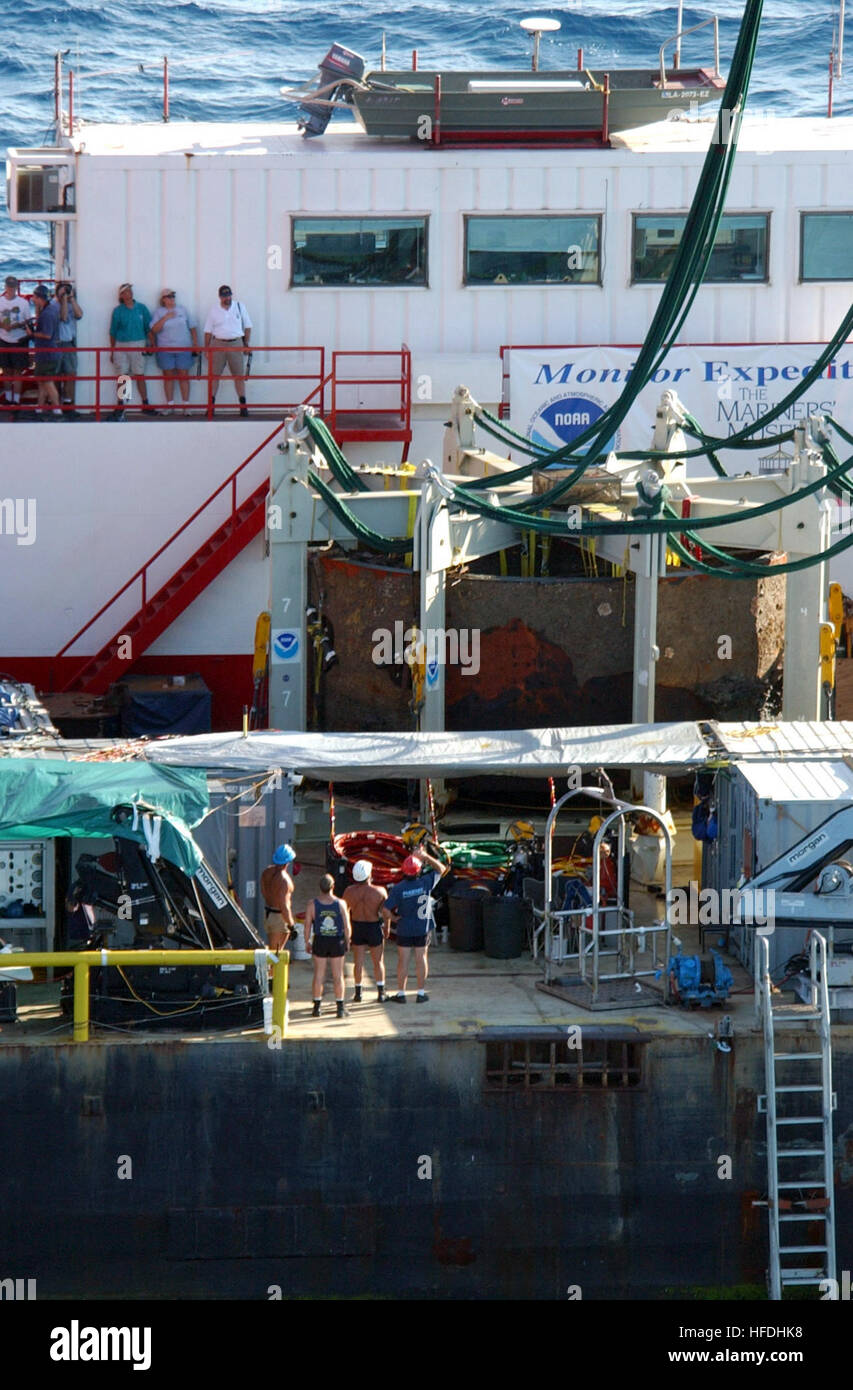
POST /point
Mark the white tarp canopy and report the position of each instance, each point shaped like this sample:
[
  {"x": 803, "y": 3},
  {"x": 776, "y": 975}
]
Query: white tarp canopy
[
  {"x": 357, "y": 757},
  {"x": 787, "y": 739}
]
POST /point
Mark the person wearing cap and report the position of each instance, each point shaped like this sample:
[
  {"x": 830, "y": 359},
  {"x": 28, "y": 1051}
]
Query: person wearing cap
[
  {"x": 66, "y": 363},
  {"x": 364, "y": 900},
  {"x": 327, "y": 937},
  {"x": 174, "y": 333},
  {"x": 277, "y": 890},
  {"x": 14, "y": 341},
  {"x": 409, "y": 903},
  {"x": 45, "y": 335},
  {"x": 130, "y": 336},
  {"x": 227, "y": 331}
]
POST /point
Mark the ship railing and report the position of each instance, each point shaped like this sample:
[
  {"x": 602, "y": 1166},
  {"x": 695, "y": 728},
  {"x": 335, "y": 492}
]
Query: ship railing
[
  {"x": 81, "y": 962},
  {"x": 362, "y": 400},
  {"x": 227, "y": 493},
  {"x": 676, "y": 39},
  {"x": 278, "y": 379}
]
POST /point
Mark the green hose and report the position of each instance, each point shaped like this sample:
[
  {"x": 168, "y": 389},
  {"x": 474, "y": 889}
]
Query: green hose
[
  {"x": 478, "y": 854},
  {"x": 694, "y": 251},
  {"x": 328, "y": 446}
]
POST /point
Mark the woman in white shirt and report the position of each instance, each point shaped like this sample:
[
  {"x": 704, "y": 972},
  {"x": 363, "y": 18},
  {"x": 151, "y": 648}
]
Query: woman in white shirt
[{"x": 176, "y": 343}]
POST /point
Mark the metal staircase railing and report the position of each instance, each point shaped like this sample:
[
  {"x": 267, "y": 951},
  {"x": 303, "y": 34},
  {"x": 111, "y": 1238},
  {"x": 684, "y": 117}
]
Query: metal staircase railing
[
  {"x": 801, "y": 1170},
  {"x": 177, "y": 591}
]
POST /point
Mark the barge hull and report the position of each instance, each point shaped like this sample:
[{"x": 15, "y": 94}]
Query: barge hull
[{"x": 302, "y": 1169}]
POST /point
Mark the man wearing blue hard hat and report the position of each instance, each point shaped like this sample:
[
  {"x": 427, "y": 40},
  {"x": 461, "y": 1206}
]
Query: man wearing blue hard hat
[{"x": 277, "y": 888}]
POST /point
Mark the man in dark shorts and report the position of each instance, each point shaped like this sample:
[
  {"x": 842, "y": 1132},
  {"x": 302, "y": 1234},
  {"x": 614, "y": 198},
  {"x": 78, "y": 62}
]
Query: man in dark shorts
[
  {"x": 364, "y": 900},
  {"x": 328, "y": 916},
  {"x": 15, "y": 341},
  {"x": 277, "y": 888},
  {"x": 45, "y": 335},
  {"x": 410, "y": 903}
]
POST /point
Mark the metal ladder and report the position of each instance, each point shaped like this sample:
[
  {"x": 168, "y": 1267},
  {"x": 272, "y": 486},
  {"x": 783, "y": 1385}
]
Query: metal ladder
[{"x": 800, "y": 1173}]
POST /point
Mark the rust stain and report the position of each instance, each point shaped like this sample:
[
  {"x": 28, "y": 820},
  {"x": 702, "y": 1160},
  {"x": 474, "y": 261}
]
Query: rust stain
[{"x": 453, "y": 1250}]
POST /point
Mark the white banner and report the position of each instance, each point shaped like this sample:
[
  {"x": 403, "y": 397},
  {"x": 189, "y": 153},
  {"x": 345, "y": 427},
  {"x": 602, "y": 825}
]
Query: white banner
[{"x": 557, "y": 393}]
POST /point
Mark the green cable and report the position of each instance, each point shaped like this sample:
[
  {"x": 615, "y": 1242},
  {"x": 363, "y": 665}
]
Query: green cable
[
  {"x": 373, "y": 540},
  {"x": 551, "y": 526},
  {"x": 328, "y": 446},
  {"x": 758, "y": 571},
  {"x": 701, "y": 227}
]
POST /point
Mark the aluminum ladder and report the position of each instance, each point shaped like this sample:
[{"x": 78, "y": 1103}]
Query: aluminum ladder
[{"x": 800, "y": 1172}]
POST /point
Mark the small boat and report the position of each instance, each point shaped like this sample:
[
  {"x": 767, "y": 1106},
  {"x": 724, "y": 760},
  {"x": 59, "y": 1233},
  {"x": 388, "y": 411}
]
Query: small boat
[{"x": 524, "y": 105}]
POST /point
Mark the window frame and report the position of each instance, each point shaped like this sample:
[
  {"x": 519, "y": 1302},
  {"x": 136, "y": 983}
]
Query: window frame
[
  {"x": 683, "y": 214},
  {"x": 597, "y": 217},
  {"x": 820, "y": 212},
  {"x": 396, "y": 286}
]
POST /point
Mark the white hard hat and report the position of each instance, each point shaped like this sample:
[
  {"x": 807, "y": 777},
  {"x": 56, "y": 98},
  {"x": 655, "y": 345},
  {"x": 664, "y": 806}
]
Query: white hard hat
[{"x": 361, "y": 870}]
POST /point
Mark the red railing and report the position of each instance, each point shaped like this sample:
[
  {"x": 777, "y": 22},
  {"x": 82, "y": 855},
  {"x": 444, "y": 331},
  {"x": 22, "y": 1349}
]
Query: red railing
[
  {"x": 388, "y": 412},
  {"x": 96, "y": 389},
  {"x": 141, "y": 574}
]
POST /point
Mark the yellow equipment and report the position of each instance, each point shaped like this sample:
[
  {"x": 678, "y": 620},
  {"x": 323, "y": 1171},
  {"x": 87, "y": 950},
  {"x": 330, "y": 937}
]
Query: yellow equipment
[{"x": 260, "y": 670}]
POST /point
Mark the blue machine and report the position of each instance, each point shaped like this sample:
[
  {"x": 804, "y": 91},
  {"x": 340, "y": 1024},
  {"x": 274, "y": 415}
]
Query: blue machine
[{"x": 690, "y": 982}]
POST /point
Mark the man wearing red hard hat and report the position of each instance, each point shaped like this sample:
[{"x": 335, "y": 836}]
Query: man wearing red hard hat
[{"x": 409, "y": 903}]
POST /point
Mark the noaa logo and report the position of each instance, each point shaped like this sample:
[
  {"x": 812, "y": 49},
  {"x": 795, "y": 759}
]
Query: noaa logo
[
  {"x": 286, "y": 644},
  {"x": 563, "y": 419},
  {"x": 431, "y": 673}
]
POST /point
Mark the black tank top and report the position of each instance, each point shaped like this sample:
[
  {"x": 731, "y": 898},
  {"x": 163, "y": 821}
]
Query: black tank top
[{"x": 328, "y": 921}]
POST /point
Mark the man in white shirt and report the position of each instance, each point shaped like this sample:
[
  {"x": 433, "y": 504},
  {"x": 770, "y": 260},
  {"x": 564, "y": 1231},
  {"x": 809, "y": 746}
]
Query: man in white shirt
[
  {"x": 15, "y": 311},
  {"x": 227, "y": 330}
]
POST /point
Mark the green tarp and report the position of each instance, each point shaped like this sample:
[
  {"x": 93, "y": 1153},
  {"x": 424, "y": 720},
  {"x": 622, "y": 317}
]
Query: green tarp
[{"x": 44, "y": 797}]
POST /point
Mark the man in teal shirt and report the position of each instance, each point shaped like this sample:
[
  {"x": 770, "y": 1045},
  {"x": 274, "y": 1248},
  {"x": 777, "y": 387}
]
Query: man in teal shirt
[{"x": 130, "y": 333}]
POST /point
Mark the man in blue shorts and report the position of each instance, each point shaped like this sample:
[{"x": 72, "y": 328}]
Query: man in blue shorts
[{"x": 409, "y": 903}]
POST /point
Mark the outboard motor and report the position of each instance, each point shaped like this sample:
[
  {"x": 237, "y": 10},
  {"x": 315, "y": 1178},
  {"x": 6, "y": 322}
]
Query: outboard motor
[{"x": 338, "y": 63}]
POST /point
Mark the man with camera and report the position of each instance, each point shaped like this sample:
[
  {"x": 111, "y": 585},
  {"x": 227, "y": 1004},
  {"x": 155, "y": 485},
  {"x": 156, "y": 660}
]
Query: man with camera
[
  {"x": 66, "y": 369},
  {"x": 44, "y": 331}
]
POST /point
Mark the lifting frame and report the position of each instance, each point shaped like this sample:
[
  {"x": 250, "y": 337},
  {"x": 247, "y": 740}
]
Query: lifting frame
[{"x": 603, "y": 939}]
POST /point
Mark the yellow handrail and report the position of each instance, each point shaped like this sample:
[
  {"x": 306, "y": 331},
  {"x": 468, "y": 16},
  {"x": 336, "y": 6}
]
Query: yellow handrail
[{"x": 82, "y": 961}]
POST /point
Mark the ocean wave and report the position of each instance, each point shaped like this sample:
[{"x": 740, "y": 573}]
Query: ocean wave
[{"x": 228, "y": 57}]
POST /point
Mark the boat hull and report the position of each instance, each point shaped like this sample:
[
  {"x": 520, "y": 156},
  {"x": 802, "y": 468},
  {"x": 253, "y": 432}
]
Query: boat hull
[{"x": 515, "y": 105}]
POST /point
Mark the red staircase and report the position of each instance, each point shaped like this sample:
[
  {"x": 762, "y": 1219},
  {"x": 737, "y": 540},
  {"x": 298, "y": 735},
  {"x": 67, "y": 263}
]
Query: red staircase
[{"x": 156, "y": 613}]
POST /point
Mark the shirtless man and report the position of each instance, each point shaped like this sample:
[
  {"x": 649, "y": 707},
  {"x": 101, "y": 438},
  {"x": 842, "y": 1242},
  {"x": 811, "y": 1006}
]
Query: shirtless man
[
  {"x": 364, "y": 900},
  {"x": 277, "y": 888}
]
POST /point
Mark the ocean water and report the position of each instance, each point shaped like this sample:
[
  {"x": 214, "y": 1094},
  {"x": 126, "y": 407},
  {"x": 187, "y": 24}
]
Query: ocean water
[{"x": 227, "y": 60}]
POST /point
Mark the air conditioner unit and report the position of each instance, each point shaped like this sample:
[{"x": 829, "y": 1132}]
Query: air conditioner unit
[
  {"x": 39, "y": 190},
  {"x": 662, "y": 236},
  {"x": 40, "y": 185}
]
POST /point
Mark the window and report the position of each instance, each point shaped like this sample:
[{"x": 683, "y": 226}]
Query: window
[
  {"x": 533, "y": 250},
  {"x": 359, "y": 251},
  {"x": 740, "y": 249},
  {"x": 826, "y": 246},
  {"x": 531, "y": 1064}
]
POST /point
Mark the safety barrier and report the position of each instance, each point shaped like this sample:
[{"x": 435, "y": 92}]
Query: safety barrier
[
  {"x": 82, "y": 961},
  {"x": 100, "y": 390}
]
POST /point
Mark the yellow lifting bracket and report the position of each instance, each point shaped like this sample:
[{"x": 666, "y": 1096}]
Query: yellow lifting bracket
[
  {"x": 262, "y": 646},
  {"x": 835, "y": 608}
]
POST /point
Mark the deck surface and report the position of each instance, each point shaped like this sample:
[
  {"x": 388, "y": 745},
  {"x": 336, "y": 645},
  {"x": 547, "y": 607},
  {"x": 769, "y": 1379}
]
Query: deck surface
[{"x": 467, "y": 994}]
